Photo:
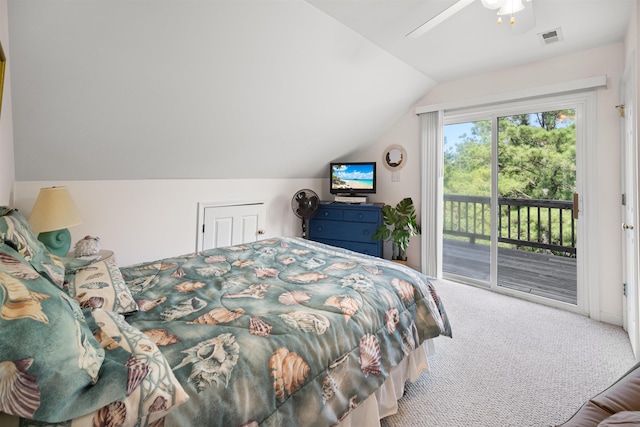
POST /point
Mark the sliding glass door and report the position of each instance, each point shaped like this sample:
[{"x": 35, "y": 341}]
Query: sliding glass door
[
  {"x": 536, "y": 174},
  {"x": 467, "y": 196},
  {"x": 509, "y": 219}
]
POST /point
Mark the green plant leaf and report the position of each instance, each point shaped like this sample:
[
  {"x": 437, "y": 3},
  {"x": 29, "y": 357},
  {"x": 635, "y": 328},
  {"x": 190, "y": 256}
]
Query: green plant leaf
[{"x": 400, "y": 224}]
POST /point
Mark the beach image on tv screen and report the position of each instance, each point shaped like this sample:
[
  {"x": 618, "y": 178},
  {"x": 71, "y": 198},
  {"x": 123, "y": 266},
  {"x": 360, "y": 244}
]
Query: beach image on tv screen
[{"x": 352, "y": 177}]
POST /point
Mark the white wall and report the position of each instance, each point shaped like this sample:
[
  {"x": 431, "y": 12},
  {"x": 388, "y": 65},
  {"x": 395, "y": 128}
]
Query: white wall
[
  {"x": 7, "y": 172},
  {"x": 407, "y": 134},
  {"x": 145, "y": 220},
  {"x": 608, "y": 60}
]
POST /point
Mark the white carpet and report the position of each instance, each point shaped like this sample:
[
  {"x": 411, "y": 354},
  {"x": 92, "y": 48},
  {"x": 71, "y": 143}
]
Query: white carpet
[{"x": 511, "y": 363}]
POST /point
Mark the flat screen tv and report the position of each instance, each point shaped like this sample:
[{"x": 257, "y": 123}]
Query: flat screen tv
[{"x": 353, "y": 178}]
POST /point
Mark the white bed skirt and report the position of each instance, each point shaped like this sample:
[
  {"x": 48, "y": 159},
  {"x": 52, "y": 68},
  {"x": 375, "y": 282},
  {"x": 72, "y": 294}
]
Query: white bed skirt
[{"x": 384, "y": 401}]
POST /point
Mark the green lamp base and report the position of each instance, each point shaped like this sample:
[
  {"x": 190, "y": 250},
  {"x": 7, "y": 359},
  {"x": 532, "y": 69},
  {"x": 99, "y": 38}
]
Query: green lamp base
[{"x": 58, "y": 241}]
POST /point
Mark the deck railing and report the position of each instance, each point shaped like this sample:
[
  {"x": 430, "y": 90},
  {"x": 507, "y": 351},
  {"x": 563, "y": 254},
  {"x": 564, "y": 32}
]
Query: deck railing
[{"x": 527, "y": 223}]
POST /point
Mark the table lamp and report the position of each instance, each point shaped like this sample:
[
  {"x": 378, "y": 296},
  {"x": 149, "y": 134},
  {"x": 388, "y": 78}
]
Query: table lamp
[{"x": 52, "y": 213}]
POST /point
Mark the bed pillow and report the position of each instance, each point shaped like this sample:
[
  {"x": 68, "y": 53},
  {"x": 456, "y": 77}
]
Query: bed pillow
[
  {"x": 51, "y": 367},
  {"x": 16, "y": 232},
  {"x": 153, "y": 391},
  {"x": 100, "y": 285}
]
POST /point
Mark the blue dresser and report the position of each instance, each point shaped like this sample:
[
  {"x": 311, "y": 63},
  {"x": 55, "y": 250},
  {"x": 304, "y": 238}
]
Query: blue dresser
[{"x": 348, "y": 226}]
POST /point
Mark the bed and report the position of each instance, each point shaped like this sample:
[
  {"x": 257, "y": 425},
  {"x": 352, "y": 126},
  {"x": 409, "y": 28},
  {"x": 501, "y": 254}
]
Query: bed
[{"x": 279, "y": 332}]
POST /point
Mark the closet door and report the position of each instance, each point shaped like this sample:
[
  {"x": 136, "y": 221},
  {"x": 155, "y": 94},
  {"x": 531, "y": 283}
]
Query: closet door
[{"x": 230, "y": 224}]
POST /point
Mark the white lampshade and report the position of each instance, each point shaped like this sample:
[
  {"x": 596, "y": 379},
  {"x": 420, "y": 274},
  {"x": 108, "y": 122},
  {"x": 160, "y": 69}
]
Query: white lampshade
[
  {"x": 54, "y": 210},
  {"x": 509, "y": 7}
]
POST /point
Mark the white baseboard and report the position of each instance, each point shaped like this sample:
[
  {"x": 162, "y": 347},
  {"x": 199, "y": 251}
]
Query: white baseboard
[{"x": 613, "y": 319}]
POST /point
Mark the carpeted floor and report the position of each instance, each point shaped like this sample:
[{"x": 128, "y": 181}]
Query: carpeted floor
[{"x": 511, "y": 363}]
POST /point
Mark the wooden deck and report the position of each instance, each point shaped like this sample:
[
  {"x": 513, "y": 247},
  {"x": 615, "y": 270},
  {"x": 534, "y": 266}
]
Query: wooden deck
[{"x": 545, "y": 275}]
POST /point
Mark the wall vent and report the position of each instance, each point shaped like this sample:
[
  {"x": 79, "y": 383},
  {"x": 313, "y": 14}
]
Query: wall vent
[{"x": 551, "y": 36}]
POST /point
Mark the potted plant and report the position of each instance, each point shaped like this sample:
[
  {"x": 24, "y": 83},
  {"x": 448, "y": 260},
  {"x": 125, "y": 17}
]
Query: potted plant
[{"x": 399, "y": 224}]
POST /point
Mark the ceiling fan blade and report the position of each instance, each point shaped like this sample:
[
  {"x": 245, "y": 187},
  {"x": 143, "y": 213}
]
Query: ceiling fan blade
[{"x": 439, "y": 18}]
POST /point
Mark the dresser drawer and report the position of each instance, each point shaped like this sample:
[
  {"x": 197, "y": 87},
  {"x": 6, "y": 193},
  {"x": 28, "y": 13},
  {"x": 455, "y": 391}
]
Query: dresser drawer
[
  {"x": 361, "y": 216},
  {"x": 328, "y": 213},
  {"x": 341, "y": 230},
  {"x": 372, "y": 248}
]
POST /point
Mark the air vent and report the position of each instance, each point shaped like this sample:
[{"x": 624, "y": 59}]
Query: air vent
[{"x": 551, "y": 36}]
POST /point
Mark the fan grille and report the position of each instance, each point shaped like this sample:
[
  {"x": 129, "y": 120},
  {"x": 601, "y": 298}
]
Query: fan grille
[{"x": 305, "y": 203}]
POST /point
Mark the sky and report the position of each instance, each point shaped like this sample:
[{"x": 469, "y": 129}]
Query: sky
[
  {"x": 356, "y": 172},
  {"x": 452, "y": 134}
]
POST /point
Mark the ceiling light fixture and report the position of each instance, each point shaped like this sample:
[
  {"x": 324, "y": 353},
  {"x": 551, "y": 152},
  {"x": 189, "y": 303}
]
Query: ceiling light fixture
[
  {"x": 492, "y": 4},
  {"x": 505, "y": 7}
]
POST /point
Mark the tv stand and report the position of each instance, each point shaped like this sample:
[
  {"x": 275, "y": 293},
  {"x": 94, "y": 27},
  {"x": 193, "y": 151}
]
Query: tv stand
[{"x": 350, "y": 199}]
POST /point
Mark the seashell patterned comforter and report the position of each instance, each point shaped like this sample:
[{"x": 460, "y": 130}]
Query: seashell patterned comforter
[{"x": 280, "y": 332}]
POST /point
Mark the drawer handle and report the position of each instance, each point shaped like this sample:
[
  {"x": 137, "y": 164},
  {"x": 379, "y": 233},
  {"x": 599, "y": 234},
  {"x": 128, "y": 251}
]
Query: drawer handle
[
  {"x": 359, "y": 216},
  {"x": 326, "y": 213},
  {"x": 365, "y": 232}
]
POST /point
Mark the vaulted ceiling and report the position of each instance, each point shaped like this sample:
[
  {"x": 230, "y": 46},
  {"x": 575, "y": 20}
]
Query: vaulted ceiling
[{"x": 137, "y": 89}]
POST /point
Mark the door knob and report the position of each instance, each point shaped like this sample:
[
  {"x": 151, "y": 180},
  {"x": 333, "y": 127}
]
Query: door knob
[
  {"x": 627, "y": 227},
  {"x": 261, "y": 231}
]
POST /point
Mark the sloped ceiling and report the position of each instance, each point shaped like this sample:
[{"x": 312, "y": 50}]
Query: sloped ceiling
[{"x": 138, "y": 89}]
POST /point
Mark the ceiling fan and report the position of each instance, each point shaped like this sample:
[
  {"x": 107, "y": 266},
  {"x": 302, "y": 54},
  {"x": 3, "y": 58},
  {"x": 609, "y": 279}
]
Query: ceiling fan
[{"x": 504, "y": 7}]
